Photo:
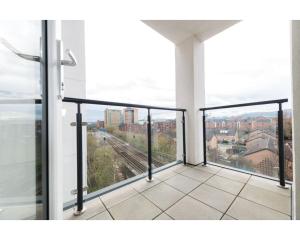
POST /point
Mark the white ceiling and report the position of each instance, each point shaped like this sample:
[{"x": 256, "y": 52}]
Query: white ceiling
[{"x": 179, "y": 30}]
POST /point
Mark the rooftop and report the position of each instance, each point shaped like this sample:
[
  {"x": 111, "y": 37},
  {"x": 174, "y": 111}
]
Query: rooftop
[{"x": 193, "y": 192}]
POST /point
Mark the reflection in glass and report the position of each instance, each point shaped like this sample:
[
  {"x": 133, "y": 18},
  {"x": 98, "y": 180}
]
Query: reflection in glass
[{"x": 20, "y": 123}]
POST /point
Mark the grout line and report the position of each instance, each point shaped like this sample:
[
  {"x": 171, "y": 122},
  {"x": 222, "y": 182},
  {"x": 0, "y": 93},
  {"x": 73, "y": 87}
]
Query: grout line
[
  {"x": 161, "y": 214},
  {"x": 236, "y": 198},
  {"x": 205, "y": 204},
  {"x": 236, "y": 180},
  {"x": 169, "y": 216},
  {"x": 107, "y": 209},
  {"x": 229, "y": 216},
  {"x": 264, "y": 206},
  {"x": 185, "y": 194},
  {"x": 235, "y": 194},
  {"x": 252, "y": 201},
  {"x": 167, "y": 207}
]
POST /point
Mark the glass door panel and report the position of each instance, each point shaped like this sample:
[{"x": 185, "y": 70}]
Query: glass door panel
[{"x": 22, "y": 121}]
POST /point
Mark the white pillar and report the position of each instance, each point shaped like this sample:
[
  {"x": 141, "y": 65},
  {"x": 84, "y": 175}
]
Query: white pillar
[
  {"x": 73, "y": 37},
  {"x": 190, "y": 93},
  {"x": 295, "y": 48},
  {"x": 55, "y": 126}
]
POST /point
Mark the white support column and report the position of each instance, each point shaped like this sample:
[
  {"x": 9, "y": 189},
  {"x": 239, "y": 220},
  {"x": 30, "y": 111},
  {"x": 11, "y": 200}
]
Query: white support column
[
  {"x": 190, "y": 94},
  {"x": 55, "y": 126},
  {"x": 73, "y": 37},
  {"x": 295, "y": 48},
  {"x": 62, "y": 137}
]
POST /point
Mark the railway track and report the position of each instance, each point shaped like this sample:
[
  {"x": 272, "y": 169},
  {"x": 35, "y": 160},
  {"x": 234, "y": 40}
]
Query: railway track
[
  {"x": 134, "y": 158},
  {"x": 131, "y": 160}
]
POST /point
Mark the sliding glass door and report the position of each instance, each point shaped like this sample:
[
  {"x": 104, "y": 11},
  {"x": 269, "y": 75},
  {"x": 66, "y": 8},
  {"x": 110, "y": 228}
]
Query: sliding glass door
[{"x": 23, "y": 120}]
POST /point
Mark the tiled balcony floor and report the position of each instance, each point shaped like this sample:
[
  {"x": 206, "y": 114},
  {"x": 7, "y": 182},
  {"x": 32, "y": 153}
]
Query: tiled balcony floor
[{"x": 187, "y": 192}]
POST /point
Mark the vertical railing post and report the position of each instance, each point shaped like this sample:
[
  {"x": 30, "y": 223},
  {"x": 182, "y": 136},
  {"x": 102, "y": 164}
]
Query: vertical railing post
[
  {"x": 183, "y": 138},
  {"x": 149, "y": 146},
  {"x": 281, "y": 147},
  {"x": 204, "y": 138},
  {"x": 80, "y": 209}
]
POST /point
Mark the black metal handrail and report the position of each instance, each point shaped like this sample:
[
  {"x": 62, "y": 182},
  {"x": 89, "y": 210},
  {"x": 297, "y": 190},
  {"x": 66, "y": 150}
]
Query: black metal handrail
[
  {"x": 79, "y": 101},
  {"x": 280, "y": 130},
  {"x": 279, "y": 101},
  {"x": 120, "y": 104}
]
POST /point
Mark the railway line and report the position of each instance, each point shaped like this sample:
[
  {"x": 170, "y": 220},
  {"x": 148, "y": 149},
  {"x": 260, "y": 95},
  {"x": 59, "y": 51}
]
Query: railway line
[{"x": 137, "y": 160}]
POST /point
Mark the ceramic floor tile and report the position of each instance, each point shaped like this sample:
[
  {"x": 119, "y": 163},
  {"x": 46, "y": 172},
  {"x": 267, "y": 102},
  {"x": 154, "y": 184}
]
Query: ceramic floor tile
[
  {"x": 182, "y": 183},
  {"x": 227, "y": 217},
  {"x": 213, "y": 197},
  {"x": 143, "y": 184},
  {"x": 163, "y": 196},
  {"x": 191, "y": 209},
  {"x": 93, "y": 207},
  {"x": 269, "y": 185},
  {"x": 117, "y": 196},
  {"x": 197, "y": 174},
  {"x": 163, "y": 216},
  {"x": 246, "y": 210},
  {"x": 234, "y": 175},
  {"x": 209, "y": 168},
  {"x": 225, "y": 184},
  {"x": 135, "y": 208},
  {"x": 180, "y": 168},
  {"x": 267, "y": 198},
  {"x": 102, "y": 216},
  {"x": 165, "y": 174}
]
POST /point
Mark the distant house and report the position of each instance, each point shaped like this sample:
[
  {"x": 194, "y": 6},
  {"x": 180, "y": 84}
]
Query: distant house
[
  {"x": 262, "y": 152},
  {"x": 223, "y": 137},
  {"x": 288, "y": 152}
]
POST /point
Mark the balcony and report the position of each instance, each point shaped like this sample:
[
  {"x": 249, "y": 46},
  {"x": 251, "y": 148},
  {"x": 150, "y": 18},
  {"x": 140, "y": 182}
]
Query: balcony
[
  {"x": 192, "y": 192},
  {"x": 150, "y": 181},
  {"x": 136, "y": 161}
]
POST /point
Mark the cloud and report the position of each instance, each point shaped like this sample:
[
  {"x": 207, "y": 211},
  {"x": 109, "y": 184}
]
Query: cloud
[{"x": 248, "y": 62}]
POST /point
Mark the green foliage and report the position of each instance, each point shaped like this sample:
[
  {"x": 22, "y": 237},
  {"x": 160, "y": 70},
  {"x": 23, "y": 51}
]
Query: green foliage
[
  {"x": 164, "y": 147},
  {"x": 137, "y": 140},
  {"x": 101, "y": 161}
]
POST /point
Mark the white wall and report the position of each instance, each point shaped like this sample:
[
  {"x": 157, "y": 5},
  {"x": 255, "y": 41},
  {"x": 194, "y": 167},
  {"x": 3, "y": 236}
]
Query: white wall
[
  {"x": 73, "y": 37},
  {"x": 190, "y": 94},
  {"x": 295, "y": 48}
]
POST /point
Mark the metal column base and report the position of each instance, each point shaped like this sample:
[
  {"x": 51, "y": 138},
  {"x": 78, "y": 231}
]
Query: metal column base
[
  {"x": 283, "y": 187},
  {"x": 78, "y": 213},
  {"x": 148, "y": 180}
]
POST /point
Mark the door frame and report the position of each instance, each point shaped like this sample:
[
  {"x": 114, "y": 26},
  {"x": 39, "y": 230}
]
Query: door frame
[{"x": 45, "y": 130}]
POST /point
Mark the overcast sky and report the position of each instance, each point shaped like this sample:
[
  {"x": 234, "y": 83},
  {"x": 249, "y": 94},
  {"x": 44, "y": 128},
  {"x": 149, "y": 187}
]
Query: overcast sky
[
  {"x": 247, "y": 62},
  {"x": 129, "y": 62}
]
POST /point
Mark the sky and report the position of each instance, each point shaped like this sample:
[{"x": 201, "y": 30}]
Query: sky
[
  {"x": 247, "y": 62},
  {"x": 129, "y": 62}
]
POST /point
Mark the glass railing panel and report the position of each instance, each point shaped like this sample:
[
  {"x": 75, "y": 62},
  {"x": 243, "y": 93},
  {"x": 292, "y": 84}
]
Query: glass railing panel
[
  {"x": 166, "y": 137},
  {"x": 288, "y": 144},
  {"x": 116, "y": 144},
  {"x": 245, "y": 138}
]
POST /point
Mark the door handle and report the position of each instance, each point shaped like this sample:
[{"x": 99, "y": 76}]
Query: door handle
[
  {"x": 18, "y": 53},
  {"x": 72, "y": 62}
]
